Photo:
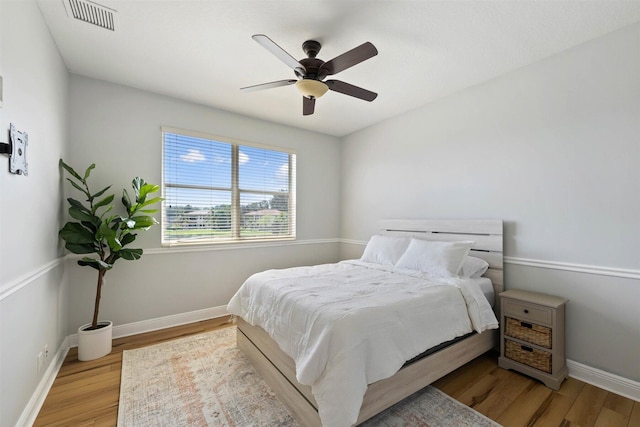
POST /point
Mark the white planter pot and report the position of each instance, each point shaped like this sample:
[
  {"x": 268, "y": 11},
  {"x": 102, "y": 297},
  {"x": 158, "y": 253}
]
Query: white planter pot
[{"x": 93, "y": 344}]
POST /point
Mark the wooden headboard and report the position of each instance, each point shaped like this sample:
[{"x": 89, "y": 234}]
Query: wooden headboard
[{"x": 487, "y": 233}]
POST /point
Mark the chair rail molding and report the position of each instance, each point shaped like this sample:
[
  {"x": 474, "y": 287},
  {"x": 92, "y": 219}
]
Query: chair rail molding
[
  {"x": 24, "y": 280},
  {"x": 576, "y": 268}
]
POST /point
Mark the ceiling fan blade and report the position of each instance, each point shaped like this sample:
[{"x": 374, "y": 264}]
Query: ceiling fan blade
[
  {"x": 351, "y": 90},
  {"x": 268, "y": 85},
  {"x": 308, "y": 106},
  {"x": 348, "y": 59},
  {"x": 280, "y": 53}
]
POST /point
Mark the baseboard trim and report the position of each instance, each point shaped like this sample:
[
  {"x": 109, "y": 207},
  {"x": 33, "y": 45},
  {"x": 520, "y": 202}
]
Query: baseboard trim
[
  {"x": 164, "y": 322},
  {"x": 605, "y": 380},
  {"x": 30, "y": 412}
]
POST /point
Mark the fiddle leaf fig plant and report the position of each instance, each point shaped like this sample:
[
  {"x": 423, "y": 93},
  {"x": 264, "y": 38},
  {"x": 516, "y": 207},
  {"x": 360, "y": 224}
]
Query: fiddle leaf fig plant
[{"x": 102, "y": 232}]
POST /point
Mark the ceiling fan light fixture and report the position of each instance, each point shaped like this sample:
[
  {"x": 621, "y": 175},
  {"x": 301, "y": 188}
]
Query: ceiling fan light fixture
[{"x": 311, "y": 88}]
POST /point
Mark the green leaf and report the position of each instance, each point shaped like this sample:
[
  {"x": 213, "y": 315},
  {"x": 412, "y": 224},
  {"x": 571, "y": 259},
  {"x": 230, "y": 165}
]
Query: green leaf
[
  {"x": 90, "y": 226},
  {"x": 95, "y": 263},
  {"x": 104, "y": 201},
  {"x": 82, "y": 215},
  {"x": 101, "y": 192},
  {"x": 144, "y": 222},
  {"x": 84, "y": 191},
  {"x": 110, "y": 235},
  {"x": 73, "y": 232},
  {"x": 148, "y": 202},
  {"x": 127, "y": 238},
  {"x": 78, "y": 205},
  {"x": 88, "y": 171},
  {"x": 130, "y": 254},
  {"x": 70, "y": 170},
  {"x": 137, "y": 183},
  {"x": 126, "y": 201},
  {"x": 146, "y": 189},
  {"x": 80, "y": 249}
]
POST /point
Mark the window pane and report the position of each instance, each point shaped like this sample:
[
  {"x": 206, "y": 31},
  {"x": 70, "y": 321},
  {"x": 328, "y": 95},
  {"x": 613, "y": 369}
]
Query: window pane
[
  {"x": 196, "y": 214},
  {"x": 263, "y": 170},
  {"x": 264, "y": 215},
  {"x": 196, "y": 161}
]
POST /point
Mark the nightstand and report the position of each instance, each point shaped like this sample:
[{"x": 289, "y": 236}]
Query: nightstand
[{"x": 532, "y": 335}]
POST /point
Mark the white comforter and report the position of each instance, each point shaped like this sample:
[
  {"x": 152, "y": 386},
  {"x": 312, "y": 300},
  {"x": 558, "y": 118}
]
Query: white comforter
[{"x": 349, "y": 324}]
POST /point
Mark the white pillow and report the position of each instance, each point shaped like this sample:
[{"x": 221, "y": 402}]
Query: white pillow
[
  {"x": 473, "y": 267},
  {"x": 385, "y": 250},
  {"x": 434, "y": 259}
]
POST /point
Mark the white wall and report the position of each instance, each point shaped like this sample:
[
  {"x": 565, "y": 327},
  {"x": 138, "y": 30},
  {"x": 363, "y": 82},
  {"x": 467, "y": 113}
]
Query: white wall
[
  {"x": 118, "y": 128},
  {"x": 553, "y": 150},
  {"x": 32, "y": 291}
]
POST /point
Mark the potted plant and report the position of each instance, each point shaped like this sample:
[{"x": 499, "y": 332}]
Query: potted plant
[{"x": 98, "y": 230}]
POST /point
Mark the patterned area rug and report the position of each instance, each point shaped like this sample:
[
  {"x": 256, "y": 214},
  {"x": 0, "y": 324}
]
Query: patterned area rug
[{"x": 204, "y": 380}]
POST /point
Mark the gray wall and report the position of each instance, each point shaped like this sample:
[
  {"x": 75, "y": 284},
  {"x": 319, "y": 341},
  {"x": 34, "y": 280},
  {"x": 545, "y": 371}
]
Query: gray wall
[
  {"x": 118, "y": 128},
  {"x": 33, "y": 308},
  {"x": 553, "y": 150}
]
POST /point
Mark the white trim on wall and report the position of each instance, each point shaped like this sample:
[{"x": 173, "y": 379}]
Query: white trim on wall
[
  {"x": 156, "y": 324},
  {"x": 30, "y": 412},
  {"x": 605, "y": 380},
  {"x": 576, "y": 268},
  {"x": 19, "y": 283}
]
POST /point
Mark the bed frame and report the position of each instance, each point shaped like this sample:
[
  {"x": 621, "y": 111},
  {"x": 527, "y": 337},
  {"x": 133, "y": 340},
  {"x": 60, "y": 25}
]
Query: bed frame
[{"x": 278, "y": 369}]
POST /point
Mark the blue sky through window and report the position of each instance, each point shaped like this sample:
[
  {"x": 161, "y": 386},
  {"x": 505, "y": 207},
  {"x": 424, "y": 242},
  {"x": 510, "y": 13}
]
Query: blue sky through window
[{"x": 206, "y": 163}]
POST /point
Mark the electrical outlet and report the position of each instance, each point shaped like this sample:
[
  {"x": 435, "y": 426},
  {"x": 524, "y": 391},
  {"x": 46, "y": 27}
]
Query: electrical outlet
[{"x": 46, "y": 355}]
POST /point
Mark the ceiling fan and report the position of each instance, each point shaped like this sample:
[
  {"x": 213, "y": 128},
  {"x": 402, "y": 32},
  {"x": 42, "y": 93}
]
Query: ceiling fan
[{"x": 311, "y": 72}]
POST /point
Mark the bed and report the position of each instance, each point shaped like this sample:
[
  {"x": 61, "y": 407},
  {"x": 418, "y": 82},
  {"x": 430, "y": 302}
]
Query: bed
[{"x": 328, "y": 375}]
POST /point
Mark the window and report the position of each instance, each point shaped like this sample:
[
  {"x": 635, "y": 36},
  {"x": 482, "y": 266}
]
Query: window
[{"x": 220, "y": 190}]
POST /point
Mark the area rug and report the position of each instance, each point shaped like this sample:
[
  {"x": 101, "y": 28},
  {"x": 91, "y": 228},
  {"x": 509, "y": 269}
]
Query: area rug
[{"x": 204, "y": 380}]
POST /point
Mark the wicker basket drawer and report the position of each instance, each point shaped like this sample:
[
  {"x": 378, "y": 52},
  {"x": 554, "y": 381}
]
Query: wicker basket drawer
[
  {"x": 529, "y": 332},
  {"x": 538, "y": 359}
]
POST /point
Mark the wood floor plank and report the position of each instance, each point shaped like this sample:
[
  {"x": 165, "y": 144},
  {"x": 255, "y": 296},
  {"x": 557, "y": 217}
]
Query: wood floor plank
[
  {"x": 634, "y": 418},
  {"x": 78, "y": 376},
  {"x": 479, "y": 391},
  {"x": 610, "y": 418},
  {"x": 521, "y": 411},
  {"x": 87, "y": 393},
  {"x": 587, "y": 406},
  {"x": 87, "y": 385},
  {"x": 466, "y": 375},
  {"x": 552, "y": 411},
  {"x": 619, "y": 404},
  {"x": 509, "y": 386}
]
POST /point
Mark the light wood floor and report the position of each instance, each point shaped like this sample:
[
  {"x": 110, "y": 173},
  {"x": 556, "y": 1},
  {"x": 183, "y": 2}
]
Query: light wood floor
[{"x": 86, "y": 393}]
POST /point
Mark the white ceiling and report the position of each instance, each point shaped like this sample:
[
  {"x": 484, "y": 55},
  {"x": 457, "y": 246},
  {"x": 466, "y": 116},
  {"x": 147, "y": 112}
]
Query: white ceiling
[{"x": 202, "y": 51}]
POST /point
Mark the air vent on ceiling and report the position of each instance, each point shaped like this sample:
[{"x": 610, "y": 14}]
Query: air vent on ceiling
[{"x": 92, "y": 13}]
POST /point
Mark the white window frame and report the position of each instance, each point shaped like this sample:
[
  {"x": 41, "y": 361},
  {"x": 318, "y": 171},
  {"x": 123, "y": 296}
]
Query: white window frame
[{"x": 235, "y": 189}]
